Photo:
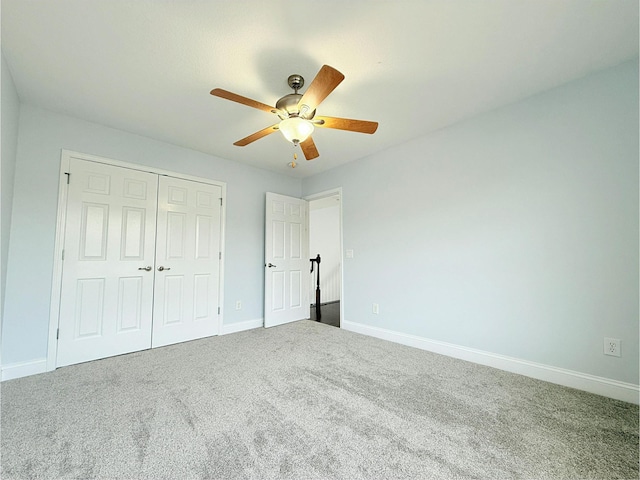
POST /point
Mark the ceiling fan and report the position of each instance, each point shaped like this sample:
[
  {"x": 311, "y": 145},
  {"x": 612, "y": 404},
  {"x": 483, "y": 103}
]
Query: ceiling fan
[{"x": 297, "y": 112}]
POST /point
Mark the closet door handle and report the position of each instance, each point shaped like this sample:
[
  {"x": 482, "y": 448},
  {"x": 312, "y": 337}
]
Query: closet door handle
[
  {"x": 271, "y": 265},
  {"x": 161, "y": 268},
  {"x": 147, "y": 269}
]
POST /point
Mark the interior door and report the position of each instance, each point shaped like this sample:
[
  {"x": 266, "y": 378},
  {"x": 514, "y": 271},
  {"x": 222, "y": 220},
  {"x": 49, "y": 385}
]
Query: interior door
[
  {"x": 286, "y": 295},
  {"x": 107, "y": 279},
  {"x": 186, "y": 303}
]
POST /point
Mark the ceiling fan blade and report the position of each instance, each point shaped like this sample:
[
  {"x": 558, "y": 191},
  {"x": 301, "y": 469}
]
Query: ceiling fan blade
[
  {"x": 256, "y": 136},
  {"x": 234, "y": 97},
  {"x": 327, "y": 79},
  {"x": 309, "y": 149},
  {"x": 361, "y": 126}
]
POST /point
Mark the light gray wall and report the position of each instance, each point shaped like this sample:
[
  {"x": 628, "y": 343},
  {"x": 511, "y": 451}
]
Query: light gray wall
[
  {"x": 9, "y": 127},
  {"x": 515, "y": 232},
  {"x": 42, "y": 135}
]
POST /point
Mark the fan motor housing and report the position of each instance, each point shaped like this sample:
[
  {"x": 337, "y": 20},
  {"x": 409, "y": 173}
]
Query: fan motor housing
[{"x": 289, "y": 103}]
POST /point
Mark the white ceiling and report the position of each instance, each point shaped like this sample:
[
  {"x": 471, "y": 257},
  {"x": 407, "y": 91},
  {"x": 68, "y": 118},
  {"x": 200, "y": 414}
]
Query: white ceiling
[{"x": 414, "y": 66}]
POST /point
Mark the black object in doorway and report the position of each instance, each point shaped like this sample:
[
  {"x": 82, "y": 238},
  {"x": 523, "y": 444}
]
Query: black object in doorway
[
  {"x": 316, "y": 261},
  {"x": 330, "y": 313}
]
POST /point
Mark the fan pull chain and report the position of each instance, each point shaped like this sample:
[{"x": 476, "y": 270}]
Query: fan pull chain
[{"x": 294, "y": 164}]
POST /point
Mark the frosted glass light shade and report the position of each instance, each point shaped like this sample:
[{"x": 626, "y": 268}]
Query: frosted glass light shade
[{"x": 296, "y": 129}]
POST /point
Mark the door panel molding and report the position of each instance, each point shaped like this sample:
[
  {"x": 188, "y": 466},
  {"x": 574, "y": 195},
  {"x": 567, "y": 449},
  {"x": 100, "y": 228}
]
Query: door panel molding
[
  {"x": 133, "y": 190},
  {"x": 184, "y": 244},
  {"x": 94, "y": 268},
  {"x": 286, "y": 297}
]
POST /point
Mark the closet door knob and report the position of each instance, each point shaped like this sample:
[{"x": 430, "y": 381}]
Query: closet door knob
[
  {"x": 147, "y": 269},
  {"x": 161, "y": 268}
]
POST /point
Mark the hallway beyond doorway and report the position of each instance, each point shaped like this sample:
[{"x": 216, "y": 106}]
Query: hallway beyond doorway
[{"x": 329, "y": 313}]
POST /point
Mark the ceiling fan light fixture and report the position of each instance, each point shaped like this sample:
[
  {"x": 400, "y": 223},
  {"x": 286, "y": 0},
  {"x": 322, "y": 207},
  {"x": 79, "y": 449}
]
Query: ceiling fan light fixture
[
  {"x": 297, "y": 112},
  {"x": 296, "y": 129}
]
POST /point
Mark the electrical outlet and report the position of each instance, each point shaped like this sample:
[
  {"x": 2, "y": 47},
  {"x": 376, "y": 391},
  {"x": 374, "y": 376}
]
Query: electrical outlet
[
  {"x": 612, "y": 346},
  {"x": 376, "y": 309},
  {"x": 238, "y": 305}
]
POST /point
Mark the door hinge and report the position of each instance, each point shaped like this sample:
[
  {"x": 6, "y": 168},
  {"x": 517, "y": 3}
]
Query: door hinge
[
  {"x": 220, "y": 201},
  {"x": 58, "y": 334},
  {"x": 219, "y": 255},
  {"x": 218, "y": 310},
  {"x": 68, "y": 176},
  {"x": 62, "y": 254}
]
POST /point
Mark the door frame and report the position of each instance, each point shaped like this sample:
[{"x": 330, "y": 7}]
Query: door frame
[
  {"x": 319, "y": 196},
  {"x": 61, "y": 223}
]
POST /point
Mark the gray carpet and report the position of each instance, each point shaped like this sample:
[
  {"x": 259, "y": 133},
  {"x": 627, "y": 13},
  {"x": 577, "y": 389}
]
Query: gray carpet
[{"x": 306, "y": 401}]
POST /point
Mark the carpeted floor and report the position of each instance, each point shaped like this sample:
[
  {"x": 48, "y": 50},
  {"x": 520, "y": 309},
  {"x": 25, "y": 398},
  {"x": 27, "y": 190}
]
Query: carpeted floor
[{"x": 306, "y": 401}]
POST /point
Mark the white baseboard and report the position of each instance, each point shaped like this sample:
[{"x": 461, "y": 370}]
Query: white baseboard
[
  {"x": 24, "y": 369},
  {"x": 627, "y": 392},
  {"x": 241, "y": 326}
]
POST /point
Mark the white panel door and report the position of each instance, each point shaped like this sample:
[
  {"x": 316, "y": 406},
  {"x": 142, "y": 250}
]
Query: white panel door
[
  {"x": 186, "y": 304},
  {"x": 286, "y": 296},
  {"x": 109, "y": 249}
]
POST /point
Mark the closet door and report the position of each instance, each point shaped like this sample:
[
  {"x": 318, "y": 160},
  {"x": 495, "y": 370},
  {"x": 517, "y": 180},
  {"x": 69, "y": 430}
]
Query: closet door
[
  {"x": 109, "y": 249},
  {"x": 186, "y": 303}
]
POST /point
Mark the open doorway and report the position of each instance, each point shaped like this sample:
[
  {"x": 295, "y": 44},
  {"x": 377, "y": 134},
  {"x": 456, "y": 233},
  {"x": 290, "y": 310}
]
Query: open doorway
[{"x": 325, "y": 240}]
